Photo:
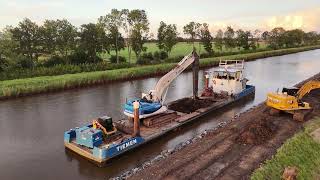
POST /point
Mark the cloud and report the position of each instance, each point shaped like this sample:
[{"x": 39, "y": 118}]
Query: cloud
[
  {"x": 306, "y": 20},
  {"x": 14, "y": 11}
]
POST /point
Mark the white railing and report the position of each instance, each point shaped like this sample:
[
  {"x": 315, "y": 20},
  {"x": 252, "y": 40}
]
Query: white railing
[{"x": 239, "y": 64}]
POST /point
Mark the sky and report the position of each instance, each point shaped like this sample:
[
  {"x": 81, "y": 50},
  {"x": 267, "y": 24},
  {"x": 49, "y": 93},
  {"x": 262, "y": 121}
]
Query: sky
[{"x": 246, "y": 14}]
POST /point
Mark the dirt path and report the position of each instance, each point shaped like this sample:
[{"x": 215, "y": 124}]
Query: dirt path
[{"x": 233, "y": 151}]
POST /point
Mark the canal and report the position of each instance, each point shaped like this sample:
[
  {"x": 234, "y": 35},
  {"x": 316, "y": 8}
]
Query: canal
[{"x": 31, "y": 128}]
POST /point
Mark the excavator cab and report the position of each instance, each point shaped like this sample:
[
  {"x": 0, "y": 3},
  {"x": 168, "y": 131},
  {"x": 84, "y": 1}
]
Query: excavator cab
[
  {"x": 290, "y": 91},
  {"x": 105, "y": 124}
]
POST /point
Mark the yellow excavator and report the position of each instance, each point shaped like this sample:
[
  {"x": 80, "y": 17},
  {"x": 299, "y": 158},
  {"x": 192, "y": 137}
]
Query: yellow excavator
[{"x": 289, "y": 100}]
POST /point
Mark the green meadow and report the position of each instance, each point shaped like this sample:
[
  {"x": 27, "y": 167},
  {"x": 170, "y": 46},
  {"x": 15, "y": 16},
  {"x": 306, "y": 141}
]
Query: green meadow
[{"x": 180, "y": 49}]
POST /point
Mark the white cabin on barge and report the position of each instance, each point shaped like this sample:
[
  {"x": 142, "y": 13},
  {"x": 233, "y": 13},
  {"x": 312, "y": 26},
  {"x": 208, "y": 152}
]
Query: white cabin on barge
[{"x": 228, "y": 77}]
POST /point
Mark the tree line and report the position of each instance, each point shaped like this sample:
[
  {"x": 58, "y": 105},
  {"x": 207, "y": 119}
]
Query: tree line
[{"x": 59, "y": 42}]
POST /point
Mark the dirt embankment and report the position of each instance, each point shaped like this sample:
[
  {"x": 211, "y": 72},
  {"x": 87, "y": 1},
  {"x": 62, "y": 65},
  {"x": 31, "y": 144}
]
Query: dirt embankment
[{"x": 233, "y": 151}]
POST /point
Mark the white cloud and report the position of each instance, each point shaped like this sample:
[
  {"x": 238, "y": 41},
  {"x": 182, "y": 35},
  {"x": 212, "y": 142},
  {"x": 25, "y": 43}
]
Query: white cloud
[{"x": 307, "y": 20}]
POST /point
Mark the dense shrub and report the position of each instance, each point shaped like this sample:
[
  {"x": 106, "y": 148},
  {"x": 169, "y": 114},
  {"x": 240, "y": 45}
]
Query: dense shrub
[
  {"x": 78, "y": 57},
  {"x": 142, "y": 61},
  {"x": 205, "y": 55},
  {"x": 113, "y": 59},
  {"x": 25, "y": 62},
  {"x": 3, "y": 64},
  {"x": 146, "y": 58},
  {"x": 156, "y": 55},
  {"x": 59, "y": 70},
  {"x": 54, "y": 60},
  {"x": 163, "y": 55},
  {"x": 174, "y": 59}
]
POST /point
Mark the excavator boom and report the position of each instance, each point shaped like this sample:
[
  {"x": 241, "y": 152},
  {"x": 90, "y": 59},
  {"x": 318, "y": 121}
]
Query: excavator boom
[
  {"x": 151, "y": 103},
  {"x": 307, "y": 87},
  {"x": 165, "y": 81}
]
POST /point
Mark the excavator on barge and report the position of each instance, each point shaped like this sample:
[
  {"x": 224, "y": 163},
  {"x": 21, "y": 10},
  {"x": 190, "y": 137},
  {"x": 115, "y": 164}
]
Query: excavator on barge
[{"x": 151, "y": 103}]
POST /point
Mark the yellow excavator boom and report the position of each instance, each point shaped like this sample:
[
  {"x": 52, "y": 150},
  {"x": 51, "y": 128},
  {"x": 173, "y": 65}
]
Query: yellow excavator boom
[{"x": 307, "y": 87}]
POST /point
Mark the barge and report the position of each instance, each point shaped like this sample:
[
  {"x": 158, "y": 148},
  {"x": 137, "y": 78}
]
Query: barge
[{"x": 104, "y": 139}]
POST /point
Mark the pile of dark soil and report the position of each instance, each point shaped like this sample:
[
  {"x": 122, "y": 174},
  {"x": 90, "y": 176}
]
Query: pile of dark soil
[
  {"x": 257, "y": 132},
  {"x": 189, "y": 105}
]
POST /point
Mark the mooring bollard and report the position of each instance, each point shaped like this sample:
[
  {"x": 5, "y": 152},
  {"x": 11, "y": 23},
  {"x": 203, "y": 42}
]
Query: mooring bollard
[
  {"x": 206, "y": 81},
  {"x": 136, "y": 121}
]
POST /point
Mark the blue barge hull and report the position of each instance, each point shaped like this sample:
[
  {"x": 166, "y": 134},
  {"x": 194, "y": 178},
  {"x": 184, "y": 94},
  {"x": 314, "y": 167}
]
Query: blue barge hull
[{"x": 105, "y": 151}]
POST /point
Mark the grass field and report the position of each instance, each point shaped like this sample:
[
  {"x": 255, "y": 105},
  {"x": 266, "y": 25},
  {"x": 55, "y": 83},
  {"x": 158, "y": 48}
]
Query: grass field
[
  {"x": 20, "y": 87},
  {"x": 300, "y": 151},
  {"x": 180, "y": 49}
]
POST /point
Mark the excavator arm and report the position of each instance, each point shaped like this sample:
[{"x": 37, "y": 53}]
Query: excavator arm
[
  {"x": 307, "y": 87},
  {"x": 156, "y": 95}
]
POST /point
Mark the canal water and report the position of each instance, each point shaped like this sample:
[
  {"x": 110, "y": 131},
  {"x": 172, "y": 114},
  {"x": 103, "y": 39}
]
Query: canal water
[{"x": 31, "y": 128}]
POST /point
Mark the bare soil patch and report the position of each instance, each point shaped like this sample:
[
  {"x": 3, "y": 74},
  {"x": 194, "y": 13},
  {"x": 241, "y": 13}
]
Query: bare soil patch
[{"x": 258, "y": 132}]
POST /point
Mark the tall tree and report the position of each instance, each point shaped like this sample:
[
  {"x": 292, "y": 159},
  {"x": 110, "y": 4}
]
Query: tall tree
[
  {"x": 265, "y": 35},
  {"x": 311, "y": 38},
  {"x": 92, "y": 38},
  {"x": 218, "y": 40},
  {"x": 7, "y": 43},
  {"x": 206, "y": 38},
  {"x": 167, "y": 36},
  {"x": 138, "y": 20},
  {"x": 276, "y": 38},
  {"x": 113, "y": 23},
  {"x": 293, "y": 37},
  {"x": 256, "y": 36},
  {"x": 229, "y": 40},
  {"x": 7, "y": 48},
  {"x": 242, "y": 39},
  {"x": 127, "y": 27},
  {"x": 192, "y": 30},
  {"x": 115, "y": 41},
  {"x": 161, "y": 34},
  {"x": 28, "y": 36},
  {"x": 66, "y": 37},
  {"x": 50, "y": 33}
]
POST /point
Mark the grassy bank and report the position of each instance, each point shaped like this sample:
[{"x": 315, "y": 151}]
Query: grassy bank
[
  {"x": 20, "y": 87},
  {"x": 300, "y": 151}
]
